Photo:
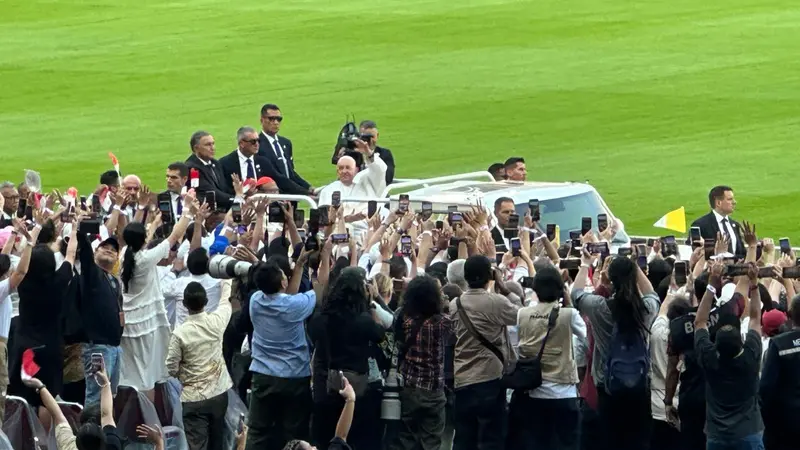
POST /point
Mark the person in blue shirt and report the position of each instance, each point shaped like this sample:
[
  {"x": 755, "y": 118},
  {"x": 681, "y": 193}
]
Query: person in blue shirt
[{"x": 280, "y": 402}]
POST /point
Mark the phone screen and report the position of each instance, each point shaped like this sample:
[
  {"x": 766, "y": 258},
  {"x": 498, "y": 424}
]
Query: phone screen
[
  {"x": 533, "y": 205},
  {"x": 786, "y": 247},
  {"x": 455, "y": 217},
  {"x": 668, "y": 240},
  {"x": 680, "y": 273},
  {"x": 275, "y": 214},
  {"x": 166, "y": 211},
  {"x": 440, "y": 225},
  {"x": 299, "y": 217},
  {"x": 336, "y": 199},
  {"x": 694, "y": 233},
  {"x": 586, "y": 225},
  {"x": 574, "y": 234},
  {"x": 340, "y": 238},
  {"x": 641, "y": 261},
  {"x": 516, "y": 245},
  {"x": 96, "y": 204},
  {"x": 624, "y": 251},
  {"x": 210, "y": 199},
  {"x": 405, "y": 245},
  {"x": 83, "y": 202},
  {"x": 23, "y": 203},
  {"x": 372, "y": 208},
  {"x": 551, "y": 231},
  {"x": 313, "y": 220},
  {"x": 97, "y": 362},
  {"x": 324, "y": 220},
  {"x": 236, "y": 212},
  {"x": 602, "y": 222},
  {"x": 791, "y": 272},
  {"x": 402, "y": 205}
]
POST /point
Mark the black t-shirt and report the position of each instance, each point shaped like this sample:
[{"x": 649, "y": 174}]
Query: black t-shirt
[
  {"x": 113, "y": 440},
  {"x": 338, "y": 444},
  {"x": 732, "y": 410}
]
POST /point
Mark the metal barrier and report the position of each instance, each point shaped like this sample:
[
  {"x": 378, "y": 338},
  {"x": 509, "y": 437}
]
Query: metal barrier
[
  {"x": 429, "y": 181},
  {"x": 288, "y": 197}
]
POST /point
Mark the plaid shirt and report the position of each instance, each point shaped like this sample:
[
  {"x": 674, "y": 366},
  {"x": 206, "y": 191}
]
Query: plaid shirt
[{"x": 423, "y": 366}]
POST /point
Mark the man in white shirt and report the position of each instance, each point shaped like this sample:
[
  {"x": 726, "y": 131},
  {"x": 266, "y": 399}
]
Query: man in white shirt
[
  {"x": 351, "y": 183},
  {"x": 10, "y": 203},
  {"x": 197, "y": 265}
]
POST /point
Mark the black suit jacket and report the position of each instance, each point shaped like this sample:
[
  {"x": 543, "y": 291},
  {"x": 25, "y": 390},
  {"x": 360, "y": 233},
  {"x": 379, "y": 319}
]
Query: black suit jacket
[
  {"x": 266, "y": 150},
  {"x": 212, "y": 178},
  {"x": 264, "y": 168},
  {"x": 709, "y": 229}
]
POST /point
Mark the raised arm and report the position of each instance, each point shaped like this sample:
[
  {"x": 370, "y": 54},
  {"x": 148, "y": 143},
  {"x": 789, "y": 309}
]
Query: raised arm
[
  {"x": 297, "y": 275},
  {"x": 179, "y": 230},
  {"x": 755, "y": 300},
  {"x": 22, "y": 266},
  {"x": 704, "y": 310}
]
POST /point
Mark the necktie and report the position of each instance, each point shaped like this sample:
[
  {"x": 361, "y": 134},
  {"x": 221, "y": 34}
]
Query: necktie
[
  {"x": 727, "y": 234},
  {"x": 213, "y": 172},
  {"x": 251, "y": 172},
  {"x": 179, "y": 208},
  {"x": 279, "y": 154}
]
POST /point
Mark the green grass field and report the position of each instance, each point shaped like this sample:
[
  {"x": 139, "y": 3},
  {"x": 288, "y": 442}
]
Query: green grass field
[{"x": 652, "y": 102}]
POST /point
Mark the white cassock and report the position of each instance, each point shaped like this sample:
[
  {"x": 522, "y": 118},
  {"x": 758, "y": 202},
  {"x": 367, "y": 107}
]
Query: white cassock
[{"x": 369, "y": 182}]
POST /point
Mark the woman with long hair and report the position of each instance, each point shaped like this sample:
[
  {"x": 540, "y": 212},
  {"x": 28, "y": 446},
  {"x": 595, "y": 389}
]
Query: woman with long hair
[
  {"x": 146, "y": 333},
  {"x": 344, "y": 333},
  {"x": 621, "y": 329},
  {"x": 39, "y": 326}
]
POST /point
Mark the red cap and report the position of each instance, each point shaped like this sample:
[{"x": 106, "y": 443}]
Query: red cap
[
  {"x": 264, "y": 180},
  {"x": 771, "y": 321}
]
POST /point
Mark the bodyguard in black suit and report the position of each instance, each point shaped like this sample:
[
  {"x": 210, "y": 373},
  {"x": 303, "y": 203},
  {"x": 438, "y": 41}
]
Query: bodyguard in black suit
[
  {"x": 212, "y": 178},
  {"x": 278, "y": 149},
  {"x": 718, "y": 220},
  {"x": 237, "y": 163}
]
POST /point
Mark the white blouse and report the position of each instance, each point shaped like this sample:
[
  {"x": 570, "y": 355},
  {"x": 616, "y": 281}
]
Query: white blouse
[{"x": 143, "y": 304}]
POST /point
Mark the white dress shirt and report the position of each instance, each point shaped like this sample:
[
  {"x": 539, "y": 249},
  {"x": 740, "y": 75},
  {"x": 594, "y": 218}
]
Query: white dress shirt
[
  {"x": 729, "y": 227},
  {"x": 243, "y": 165},
  {"x": 370, "y": 182},
  {"x": 174, "y": 290},
  {"x": 659, "y": 337},
  {"x": 175, "y": 198},
  {"x": 5, "y": 307}
]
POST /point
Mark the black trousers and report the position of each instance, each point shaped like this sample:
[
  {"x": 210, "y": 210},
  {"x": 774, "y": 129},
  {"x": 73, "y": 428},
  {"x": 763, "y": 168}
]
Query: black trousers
[
  {"x": 545, "y": 424},
  {"x": 692, "y": 414},
  {"x": 204, "y": 422},
  {"x": 626, "y": 421},
  {"x": 422, "y": 420},
  {"x": 280, "y": 410},
  {"x": 480, "y": 417},
  {"x": 665, "y": 436}
]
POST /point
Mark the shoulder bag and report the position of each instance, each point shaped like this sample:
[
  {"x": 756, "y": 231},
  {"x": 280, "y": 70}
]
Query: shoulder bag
[{"x": 527, "y": 375}]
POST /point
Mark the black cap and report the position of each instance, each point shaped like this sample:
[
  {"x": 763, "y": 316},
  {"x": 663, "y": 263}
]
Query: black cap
[{"x": 112, "y": 241}]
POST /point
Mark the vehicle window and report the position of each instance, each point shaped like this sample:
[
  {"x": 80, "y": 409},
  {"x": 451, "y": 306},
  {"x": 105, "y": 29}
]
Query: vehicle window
[{"x": 567, "y": 212}]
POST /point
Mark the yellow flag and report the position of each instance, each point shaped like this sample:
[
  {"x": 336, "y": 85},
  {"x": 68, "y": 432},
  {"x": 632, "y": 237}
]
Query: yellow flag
[{"x": 673, "y": 220}]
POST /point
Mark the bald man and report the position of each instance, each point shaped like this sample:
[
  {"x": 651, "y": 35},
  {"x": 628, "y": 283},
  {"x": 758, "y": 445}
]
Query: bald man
[{"x": 353, "y": 183}]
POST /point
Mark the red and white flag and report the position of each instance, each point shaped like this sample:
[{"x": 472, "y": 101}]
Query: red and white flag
[
  {"x": 194, "y": 178},
  {"x": 114, "y": 162},
  {"x": 72, "y": 195},
  {"x": 248, "y": 184},
  {"x": 29, "y": 366}
]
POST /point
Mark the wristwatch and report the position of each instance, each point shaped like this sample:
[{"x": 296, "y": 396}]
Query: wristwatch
[{"x": 39, "y": 389}]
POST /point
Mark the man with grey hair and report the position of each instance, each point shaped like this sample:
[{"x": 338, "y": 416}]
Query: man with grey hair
[
  {"x": 212, "y": 178},
  {"x": 10, "y": 203},
  {"x": 455, "y": 274},
  {"x": 246, "y": 162}
]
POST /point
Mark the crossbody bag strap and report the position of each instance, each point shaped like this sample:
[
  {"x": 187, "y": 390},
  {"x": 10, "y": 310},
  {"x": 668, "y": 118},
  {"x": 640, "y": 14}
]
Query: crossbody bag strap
[
  {"x": 551, "y": 323},
  {"x": 471, "y": 328}
]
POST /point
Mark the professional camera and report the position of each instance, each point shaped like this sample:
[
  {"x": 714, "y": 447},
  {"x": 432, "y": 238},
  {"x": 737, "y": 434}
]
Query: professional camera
[
  {"x": 346, "y": 140},
  {"x": 224, "y": 267}
]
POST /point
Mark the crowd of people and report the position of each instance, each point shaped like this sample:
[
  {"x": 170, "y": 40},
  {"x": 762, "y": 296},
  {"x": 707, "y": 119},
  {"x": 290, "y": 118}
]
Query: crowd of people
[{"x": 392, "y": 328}]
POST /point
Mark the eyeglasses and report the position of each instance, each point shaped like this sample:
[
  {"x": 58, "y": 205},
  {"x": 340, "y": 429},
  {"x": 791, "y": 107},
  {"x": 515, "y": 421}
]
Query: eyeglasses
[
  {"x": 250, "y": 141},
  {"x": 278, "y": 119}
]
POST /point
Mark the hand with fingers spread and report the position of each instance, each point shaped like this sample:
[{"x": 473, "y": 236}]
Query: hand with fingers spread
[
  {"x": 722, "y": 244},
  {"x": 750, "y": 234},
  {"x": 238, "y": 188},
  {"x": 144, "y": 197},
  {"x": 151, "y": 434},
  {"x": 243, "y": 253}
]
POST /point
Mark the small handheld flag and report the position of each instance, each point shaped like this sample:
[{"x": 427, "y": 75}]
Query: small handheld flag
[
  {"x": 248, "y": 184},
  {"x": 29, "y": 366},
  {"x": 114, "y": 162},
  {"x": 194, "y": 178},
  {"x": 72, "y": 193},
  {"x": 673, "y": 220}
]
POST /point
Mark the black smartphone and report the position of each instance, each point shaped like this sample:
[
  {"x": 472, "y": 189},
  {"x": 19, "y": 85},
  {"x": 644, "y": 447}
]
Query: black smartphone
[
  {"x": 516, "y": 245},
  {"x": 402, "y": 204},
  {"x": 312, "y": 244},
  {"x": 736, "y": 270},
  {"x": 97, "y": 363},
  {"x": 526, "y": 282},
  {"x": 324, "y": 219},
  {"x": 569, "y": 263},
  {"x": 340, "y": 238},
  {"x": 575, "y": 250},
  {"x": 398, "y": 285},
  {"x": 551, "y": 231},
  {"x": 68, "y": 214},
  {"x": 427, "y": 210},
  {"x": 512, "y": 229},
  {"x": 405, "y": 245},
  {"x": 533, "y": 206},
  {"x": 236, "y": 212},
  {"x": 681, "y": 271},
  {"x": 574, "y": 234},
  {"x": 455, "y": 217},
  {"x": 641, "y": 250},
  {"x": 83, "y": 202},
  {"x": 637, "y": 241},
  {"x": 299, "y": 217},
  {"x": 766, "y": 272},
  {"x": 786, "y": 247},
  {"x": 275, "y": 213},
  {"x": 23, "y": 203},
  {"x": 96, "y": 207},
  {"x": 650, "y": 242},
  {"x": 336, "y": 199},
  {"x": 440, "y": 225},
  {"x": 586, "y": 225},
  {"x": 641, "y": 261},
  {"x": 602, "y": 222},
  {"x": 165, "y": 206},
  {"x": 313, "y": 221},
  {"x": 372, "y": 208},
  {"x": 625, "y": 251},
  {"x": 598, "y": 248},
  {"x": 210, "y": 199},
  {"x": 668, "y": 240},
  {"x": 89, "y": 227},
  {"x": 694, "y": 235},
  {"x": 791, "y": 272}
]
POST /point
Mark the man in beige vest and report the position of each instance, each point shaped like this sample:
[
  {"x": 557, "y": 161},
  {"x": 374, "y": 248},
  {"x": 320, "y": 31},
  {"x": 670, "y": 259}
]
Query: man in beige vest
[{"x": 552, "y": 410}]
